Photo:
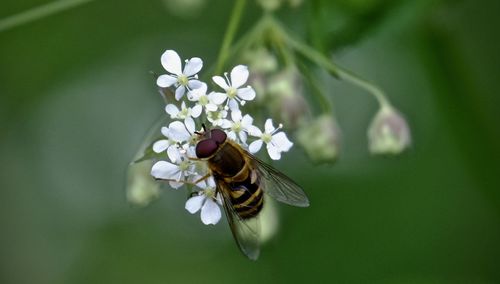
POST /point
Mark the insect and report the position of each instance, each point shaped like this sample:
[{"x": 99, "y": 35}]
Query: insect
[{"x": 242, "y": 179}]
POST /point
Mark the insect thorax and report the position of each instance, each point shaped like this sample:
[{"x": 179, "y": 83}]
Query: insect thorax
[{"x": 228, "y": 161}]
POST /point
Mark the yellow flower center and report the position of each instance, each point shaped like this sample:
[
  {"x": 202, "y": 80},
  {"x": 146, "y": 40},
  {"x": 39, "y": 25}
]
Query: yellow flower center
[
  {"x": 231, "y": 93},
  {"x": 203, "y": 100},
  {"x": 236, "y": 127},
  {"x": 182, "y": 80},
  {"x": 266, "y": 137}
]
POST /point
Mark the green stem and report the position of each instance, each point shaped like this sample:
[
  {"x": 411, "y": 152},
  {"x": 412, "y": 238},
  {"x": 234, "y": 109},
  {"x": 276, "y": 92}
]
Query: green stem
[
  {"x": 332, "y": 68},
  {"x": 38, "y": 13},
  {"x": 229, "y": 35},
  {"x": 324, "y": 103},
  {"x": 364, "y": 84}
]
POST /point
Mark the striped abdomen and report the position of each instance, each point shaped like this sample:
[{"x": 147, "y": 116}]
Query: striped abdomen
[
  {"x": 247, "y": 198},
  {"x": 230, "y": 166}
]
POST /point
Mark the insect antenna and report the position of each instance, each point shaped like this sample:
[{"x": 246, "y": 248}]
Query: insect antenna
[{"x": 204, "y": 130}]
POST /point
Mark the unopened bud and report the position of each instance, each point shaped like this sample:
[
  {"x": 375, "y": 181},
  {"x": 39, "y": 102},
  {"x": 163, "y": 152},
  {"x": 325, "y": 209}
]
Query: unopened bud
[
  {"x": 141, "y": 188},
  {"x": 185, "y": 8},
  {"x": 295, "y": 3},
  {"x": 388, "y": 132},
  {"x": 285, "y": 89},
  {"x": 321, "y": 139},
  {"x": 260, "y": 60},
  {"x": 269, "y": 5}
]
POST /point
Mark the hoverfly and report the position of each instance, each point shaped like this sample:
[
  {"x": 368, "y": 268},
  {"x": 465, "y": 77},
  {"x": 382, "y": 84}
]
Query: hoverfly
[{"x": 242, "y": 179}]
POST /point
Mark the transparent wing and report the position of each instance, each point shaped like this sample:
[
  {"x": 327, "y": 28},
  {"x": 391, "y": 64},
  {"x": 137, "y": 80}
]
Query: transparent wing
[
  {"x": 277, "y": 185},
  {"x": 246, "y": 233}
]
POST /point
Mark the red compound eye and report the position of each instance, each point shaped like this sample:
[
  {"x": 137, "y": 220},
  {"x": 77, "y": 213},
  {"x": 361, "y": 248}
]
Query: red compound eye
[
  {"x": 206, "y": 148},
  {"x": 218, "y": 135}
]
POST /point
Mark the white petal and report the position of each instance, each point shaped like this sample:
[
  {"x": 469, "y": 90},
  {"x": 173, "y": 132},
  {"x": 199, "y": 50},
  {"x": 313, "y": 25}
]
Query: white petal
[
  {"x": 236, "y": 115},
  {"x": 239, "y": 76},
  {"x": 246, "y": 121},
  {"x": 160, "y": 146},
  {"x": 217, "y": 98},
  {"x": 194, "y": 203},
  {"x": 211, "y": 182},
  {"x": 281, "y": 142},
  {"x": 211, "y": 107},
  {"x": 190, "y": 126},
  {"x": 243, "y": 137},
  {"x": 274, "y": 153},
  {"x": 165, "y": 131},
  {"x": 195, "y": 94},
  {"x": 173, "y": 154},
  {"x": 191, "y": 152},
  {"x": 233, "y": 104},
  {"x": 178, "y": 131},
  {"x": 193, "y": 66},
  {"x": 175, "y": 185},
  {"x": 231, "y": 135},
  {"x": 202, "y": 184},
  {"x": 179, "y": 92},
  {"x": 224, "y": 123},
  {"x": 221, "y": 82},
  {"x": 196, "y": 111},
  {"x": 210, "y": 213},
  {"x": 171, "y": 62},
  {"x": 164, "y": 170},
  {"x": 254, "y": 131},
  {"x": 268, "y": 126},
  {"x": 255, "y": 146},
  {"x": 172, "y": 110},
  {"x": 195, "y": 84},
  {"x": 165, "y": 81},
  {"x": 246, "y": 94}
]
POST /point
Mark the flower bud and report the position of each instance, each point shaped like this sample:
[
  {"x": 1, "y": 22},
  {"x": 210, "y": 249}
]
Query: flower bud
[
  {"x": 285, "y": 89},
  {"x": 320, "y": 139},
  {"x": 295, "y": 3},
  {"x": 388, "y": 132},
  {"x": 141, "y": 188},
  {"x": 185, "y": 8},
  {"x": 269, "y": 5},
  {"x": 260, "y": 60}
]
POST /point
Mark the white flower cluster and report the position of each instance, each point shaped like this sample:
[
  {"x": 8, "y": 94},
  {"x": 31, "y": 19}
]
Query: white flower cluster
[{"x": 222, "y": 110}]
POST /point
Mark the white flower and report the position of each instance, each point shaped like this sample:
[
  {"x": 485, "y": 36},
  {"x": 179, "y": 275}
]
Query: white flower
[
  {"x": 200, "y": 96},
  {"x": 179, "y": 78},
  {"x": 276, "y": 142},
  {"x": 180, "y": 170},
  {"x": 176, "y": 133},
  {"x": 234, "y": 93},
  {"x": 217, "y": 118},
  {"x": 184, "y": 112},
  {"x": 240, "y": 126},
  {"x": 207, "y": 201}
]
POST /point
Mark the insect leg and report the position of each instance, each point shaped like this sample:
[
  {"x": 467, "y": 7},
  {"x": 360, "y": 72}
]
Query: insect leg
[
  {"x": 179, "y": 181},
  {"x": 202, "y": 178}
]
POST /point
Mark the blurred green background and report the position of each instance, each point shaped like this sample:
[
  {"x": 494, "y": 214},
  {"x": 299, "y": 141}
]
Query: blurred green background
[{"x": 76, "y": 98}]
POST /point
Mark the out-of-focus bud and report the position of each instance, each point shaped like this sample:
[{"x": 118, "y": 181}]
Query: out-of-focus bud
[
  {"x": 184, "y": 8},
  {"x": 287, "y": 102},
  {"x": 141, "y": 187},
  {"x": 261, "y": 62},
  {"x": 320, "y": 139},
  {"x": 388, "y": 132},
  {"x": 295, "y": 3},
  {"x": 269, "y": 5}
]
